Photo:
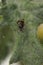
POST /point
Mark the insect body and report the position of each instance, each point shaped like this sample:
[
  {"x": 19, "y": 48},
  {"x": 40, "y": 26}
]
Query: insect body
[{"x": 20, "y": 24}]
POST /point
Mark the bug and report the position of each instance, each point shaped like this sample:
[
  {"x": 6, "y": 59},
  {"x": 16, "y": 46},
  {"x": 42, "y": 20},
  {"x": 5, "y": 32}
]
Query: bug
[{"x": 20, "y": 24}]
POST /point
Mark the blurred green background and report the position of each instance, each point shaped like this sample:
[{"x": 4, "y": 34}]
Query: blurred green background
[{"x": 12, "y": 10}]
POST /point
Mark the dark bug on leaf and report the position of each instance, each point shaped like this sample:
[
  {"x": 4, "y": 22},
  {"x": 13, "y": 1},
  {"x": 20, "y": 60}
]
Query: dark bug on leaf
[{"x": 20, "y": 24}]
